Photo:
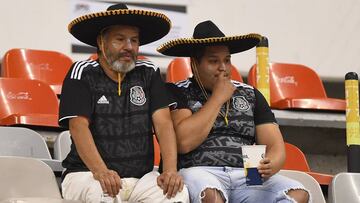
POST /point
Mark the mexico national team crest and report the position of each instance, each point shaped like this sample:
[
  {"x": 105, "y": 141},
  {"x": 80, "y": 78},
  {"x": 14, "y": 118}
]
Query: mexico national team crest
[
  {"x": 137, "y": 95},
  {"x": 240, "y": 103}
]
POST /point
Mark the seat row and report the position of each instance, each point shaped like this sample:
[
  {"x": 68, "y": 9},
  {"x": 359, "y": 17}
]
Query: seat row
[
  {"x": 292, "y": 86},
  {"x": 18, "y": 143},
  {"x": 24, "y": 179},
  {"x": 30, "y": 180}
]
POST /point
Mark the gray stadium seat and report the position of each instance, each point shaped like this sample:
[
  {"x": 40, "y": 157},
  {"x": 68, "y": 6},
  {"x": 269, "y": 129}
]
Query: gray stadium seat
[
  {"x": 38, "y": 200},
  {"x": 24, "y": 142},
  {"x": 345, "y": 187},
  {"x": 309, "y": 183},
  {"x": 26, "y": 177},
  {"x": 62, "y": 145},
  {"x": 18, "y": 141}
]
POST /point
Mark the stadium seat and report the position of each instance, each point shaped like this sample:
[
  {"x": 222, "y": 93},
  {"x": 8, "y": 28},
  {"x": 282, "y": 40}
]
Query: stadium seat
[
  {"x": 18, "y": 141},
  {"x": 296, "y": 160},
  {"x": 24, "y": 179},
  {"x": 94, "y": 56},
  {"x": 180, "y": 69},
  {"x": 295, "y": 86},
  {"x": 50, "y": 67},
  {"x": 24, "y": 142},
  {"x": 62, "y": 145},
  {"x": 309, "y": 183},
  {"x": 27, "y": 102},
  {"x": 345, "y": 187}
]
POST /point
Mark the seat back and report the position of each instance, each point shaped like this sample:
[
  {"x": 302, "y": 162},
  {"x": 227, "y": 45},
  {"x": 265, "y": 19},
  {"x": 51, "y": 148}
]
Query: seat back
[
  {"x": 50, "y": 67},
  {"x": 180, "y": 69},
  {"x": 27, "y": 102},
  {"x": 94, "y": 56},
  {"x": 295, "y": 159},
  {"x": 26, "y": 177},
  {"x": 23, "y": 142},
  {"x": 297, "y": 86},
  {"x": 291, "y": 81},
  {"x": 344, "y": 188},
  {"x": 308, "y": 182},
  {"x": 62, "y": 145}
]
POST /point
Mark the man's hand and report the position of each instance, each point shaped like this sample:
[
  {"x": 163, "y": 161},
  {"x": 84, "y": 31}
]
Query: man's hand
[
  {"x": 265, "y": 168},
  {"x": 109, "y": 180},
  {"x": 223, "y": 88},
  {"x": 171, "y": 183}
]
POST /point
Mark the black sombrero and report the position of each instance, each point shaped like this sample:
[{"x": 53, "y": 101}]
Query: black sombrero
[
  {"x": 152, "y": 25},
  {"x": 208, "y": 34}
]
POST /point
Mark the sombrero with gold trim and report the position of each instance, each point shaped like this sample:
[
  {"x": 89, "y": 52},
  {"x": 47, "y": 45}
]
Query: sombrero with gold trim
[
  {"x": 208, "y": 34},
  {"x": 152, "y": 25}
]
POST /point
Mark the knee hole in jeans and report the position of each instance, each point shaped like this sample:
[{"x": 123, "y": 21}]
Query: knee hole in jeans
[
  {"x": 300, "y": 195},
  {"x": 211, "y": 195}
]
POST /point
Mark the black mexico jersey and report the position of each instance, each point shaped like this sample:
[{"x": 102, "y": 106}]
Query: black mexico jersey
[
  {"x": 222, "y": 147},
  {"x": 121, "y": 126}
]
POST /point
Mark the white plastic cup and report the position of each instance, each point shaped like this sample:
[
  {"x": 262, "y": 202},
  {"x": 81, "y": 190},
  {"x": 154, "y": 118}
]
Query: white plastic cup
[{"x": 252, "y": 155}]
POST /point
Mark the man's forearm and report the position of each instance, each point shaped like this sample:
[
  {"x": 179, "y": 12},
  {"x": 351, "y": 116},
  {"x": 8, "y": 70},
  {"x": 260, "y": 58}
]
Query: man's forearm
[
  {"x": 167, "y": 140},
  {"x": 86, "y": 147},
  {"x": 193, "y": 130},
  {"x": 168, "y": 150}
]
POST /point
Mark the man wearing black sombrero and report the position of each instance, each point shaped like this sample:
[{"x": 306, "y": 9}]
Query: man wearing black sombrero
[
  {"x": 215, "y": 116},
  {"x": 111, "y": 107}
]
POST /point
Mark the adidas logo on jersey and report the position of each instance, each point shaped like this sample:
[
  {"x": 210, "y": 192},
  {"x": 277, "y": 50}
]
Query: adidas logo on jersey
[{"x": 103, "y": 100}]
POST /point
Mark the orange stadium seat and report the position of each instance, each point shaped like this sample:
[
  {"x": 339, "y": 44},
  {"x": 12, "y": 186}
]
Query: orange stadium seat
[
  {"x": 27, "y": 102},
  {"x": 295, "y": 86},
  {"x": 180, "y": 69},
  {"x": 94, "y": 56},
  {"x": 47, "y": 66},
  {"x": 296, "y": 160}
]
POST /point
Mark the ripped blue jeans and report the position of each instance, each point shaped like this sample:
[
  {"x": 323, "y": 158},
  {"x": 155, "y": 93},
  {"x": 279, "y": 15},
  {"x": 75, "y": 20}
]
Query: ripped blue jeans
[{"x": 231, "y": 183}]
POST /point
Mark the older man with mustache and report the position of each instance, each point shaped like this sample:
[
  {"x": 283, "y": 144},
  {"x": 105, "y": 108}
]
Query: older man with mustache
[{"x": 111, "y": 106}]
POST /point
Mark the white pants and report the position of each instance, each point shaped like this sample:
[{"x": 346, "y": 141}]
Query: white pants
[{"x": 82, "y": 186}]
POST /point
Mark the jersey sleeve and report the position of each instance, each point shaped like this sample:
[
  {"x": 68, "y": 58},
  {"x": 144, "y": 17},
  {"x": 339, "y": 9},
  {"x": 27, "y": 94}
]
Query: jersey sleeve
[
  {"x": 75, "y": 100},
  {"x": 177, "y": 96},
  {"x": 158, "y": 93},
  {"x": 262, "y": 112}
]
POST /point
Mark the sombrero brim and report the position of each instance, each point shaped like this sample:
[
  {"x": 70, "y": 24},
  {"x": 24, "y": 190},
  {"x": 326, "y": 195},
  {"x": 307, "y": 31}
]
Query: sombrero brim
[
  {"x": 152, "y": 25},
  {"x": 184, "y": 47}
]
